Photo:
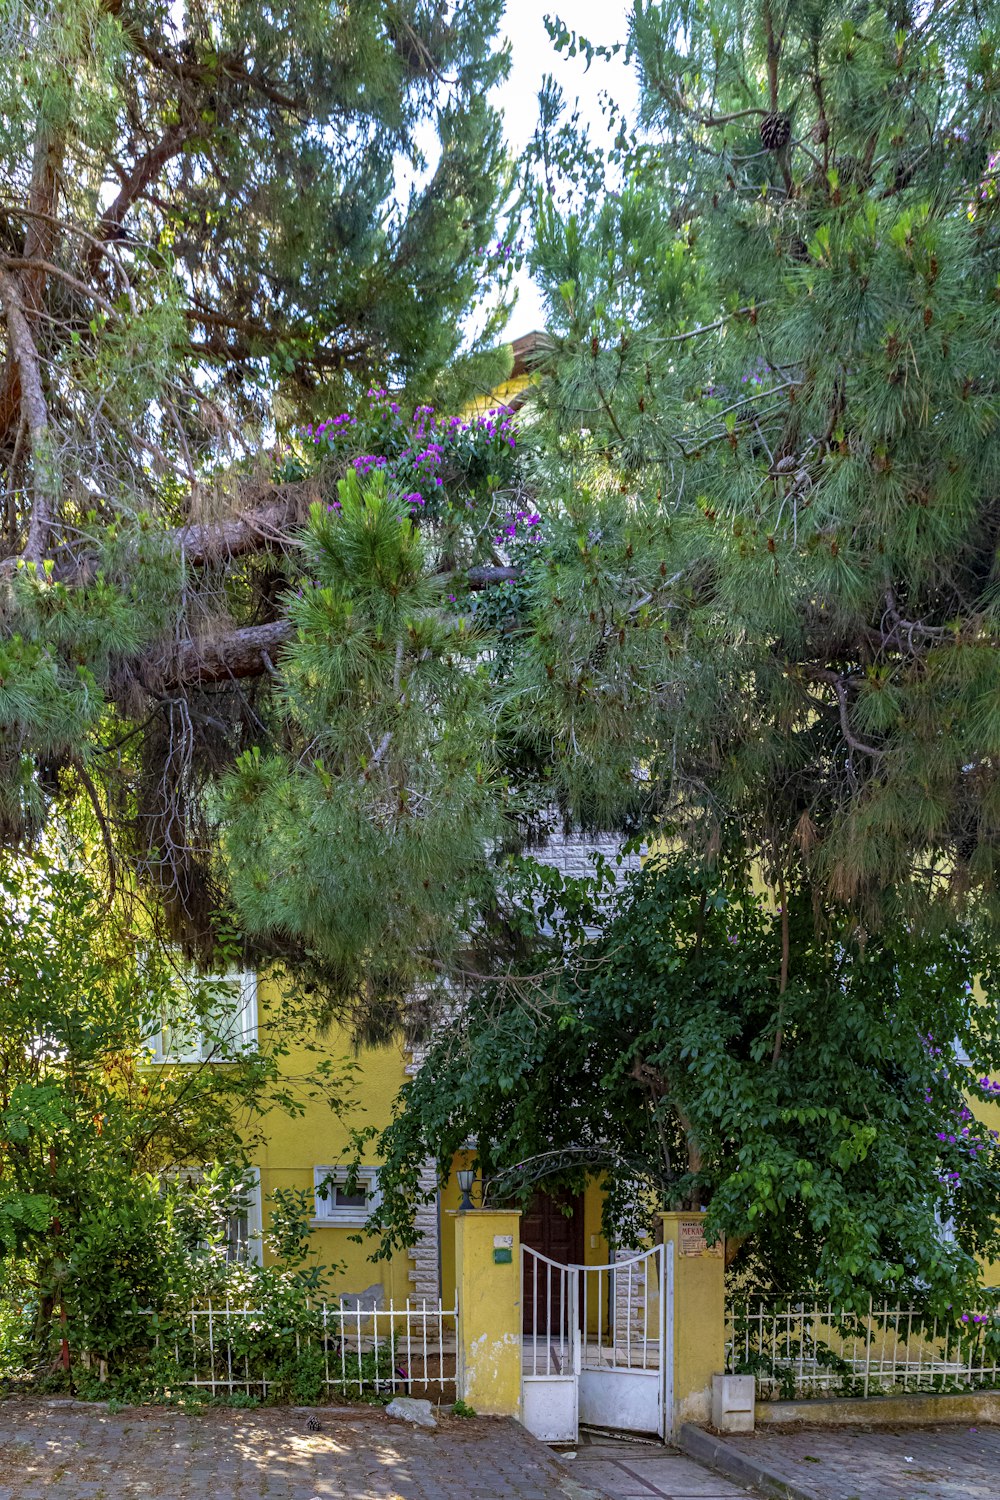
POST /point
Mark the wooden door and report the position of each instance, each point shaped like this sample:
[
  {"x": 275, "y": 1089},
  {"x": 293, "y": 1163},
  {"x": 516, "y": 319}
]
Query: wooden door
[{"x": 547, "y": 1227}]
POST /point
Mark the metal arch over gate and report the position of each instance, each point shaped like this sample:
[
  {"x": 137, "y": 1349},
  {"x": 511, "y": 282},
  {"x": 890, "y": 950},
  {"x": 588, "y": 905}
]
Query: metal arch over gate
[{"x": 597, "y": 1344}]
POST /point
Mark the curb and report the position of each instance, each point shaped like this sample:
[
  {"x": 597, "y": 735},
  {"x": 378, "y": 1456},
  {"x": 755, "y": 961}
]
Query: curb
[
  {"x": 853, "y": 1412},
  {"x": 713, "y": 1451}
]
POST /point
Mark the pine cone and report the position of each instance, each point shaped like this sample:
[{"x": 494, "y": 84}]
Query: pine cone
[
  {"x": 312, "y": 1425},
  {"x": 820, "y": 132},
  {"x": 746, "y": 412},
  {"x": 775, "y": 131},
  {"x": 852, "y": 173}
]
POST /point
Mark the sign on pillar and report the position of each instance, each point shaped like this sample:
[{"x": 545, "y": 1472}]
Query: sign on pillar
[
  {"x": 488, "y": 1283},
  {"x": 699, "y": 1316}
]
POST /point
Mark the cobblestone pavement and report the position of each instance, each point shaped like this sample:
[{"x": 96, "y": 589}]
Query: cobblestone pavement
[
  {"x": 624, "y": 1469},
  {"x": 69, "y": 1451},
  {"x": 927, "y": 1463}
]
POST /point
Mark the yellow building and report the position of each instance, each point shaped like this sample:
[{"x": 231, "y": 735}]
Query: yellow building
[{"x": 312, "y": 1151}]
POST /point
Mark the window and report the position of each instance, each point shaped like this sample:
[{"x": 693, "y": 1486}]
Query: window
[
  {"x": 206, "y": 1018},
  {"x": 244, "y": 1226},
  {"x": 945, "y": 1227},
  {"x": 336, "y": 1204},
  {"x": 238, "y": 1235}
]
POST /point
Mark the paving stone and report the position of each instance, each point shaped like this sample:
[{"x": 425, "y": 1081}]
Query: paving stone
[
  {"x": 928, "y": 1463},
  {"x": 627, "y": 1469},
  {"x": 69, "y": 1451},
  {"x": 680, "y": 1478}
]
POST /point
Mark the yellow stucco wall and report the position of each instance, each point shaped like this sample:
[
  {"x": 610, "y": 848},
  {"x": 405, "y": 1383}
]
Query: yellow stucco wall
[
  {"x": 295, "y": 1144},
  {"x": 990, "y": 1116},
  {"x": 502, "y": 396},
  {"x": 486, "y": 1248}
]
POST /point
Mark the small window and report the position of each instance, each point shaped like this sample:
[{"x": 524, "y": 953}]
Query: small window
[
  {"x": 239, "y": 1236},
  {"x": 339, "y": 1201},
  {"x": 945, "y": 1226},
  {"x": 206, "y": 1018}
]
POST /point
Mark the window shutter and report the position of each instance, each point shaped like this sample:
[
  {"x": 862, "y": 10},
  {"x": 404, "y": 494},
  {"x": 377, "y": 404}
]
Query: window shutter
[{"x": 323, "y": 1190}]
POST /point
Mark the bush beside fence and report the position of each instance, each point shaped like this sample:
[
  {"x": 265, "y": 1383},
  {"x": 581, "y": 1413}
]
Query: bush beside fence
[
  {"x": 804, "y": 1347},
  {"x": 303, "y": 1351},
  {"x": 353, "y": 1354}
]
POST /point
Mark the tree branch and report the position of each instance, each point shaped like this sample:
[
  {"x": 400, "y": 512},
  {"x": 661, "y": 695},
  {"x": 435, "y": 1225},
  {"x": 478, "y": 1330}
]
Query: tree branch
[
  {"x": 39, "y": 241},
  {"x": 486, "y": 578},
  {"x": 839, "y": 685},
  {"x": 36, "y": 412},
  {"x": 247, "y": 651},
  {"x": 145, "y": 170},
  {"x": 19, "y": 263},
  {"x": 239, "y": 653},
  {"x": 206, "y": 542}
]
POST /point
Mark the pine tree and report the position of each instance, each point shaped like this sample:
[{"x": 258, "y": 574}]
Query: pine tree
[
  {"x": 217, "y": 222},
  {"x": 738, "y": 586},
  {"x": 778, "y": 340},
  {"x": 743, "y": 590}
]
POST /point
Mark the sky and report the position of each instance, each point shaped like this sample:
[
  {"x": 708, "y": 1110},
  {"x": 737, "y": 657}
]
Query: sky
[{"x": 602, "y": 22}]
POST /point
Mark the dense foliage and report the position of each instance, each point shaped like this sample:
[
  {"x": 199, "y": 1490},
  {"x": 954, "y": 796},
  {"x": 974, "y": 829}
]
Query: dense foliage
[
  {"x": 774, "y": 375},
  {"x": 745, "y": 590},
  {"x": 732, "y": 581},
  {"x": 745, "y": 596},
  {"x": 215, "y": 219},
  {"x": 819, "y": 1121},
  {"x": 118, "y": 1178}
]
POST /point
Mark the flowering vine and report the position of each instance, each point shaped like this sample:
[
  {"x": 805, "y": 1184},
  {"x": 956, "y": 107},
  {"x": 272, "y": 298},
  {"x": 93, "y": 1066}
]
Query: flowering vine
[{"x": 423, "y": 455}]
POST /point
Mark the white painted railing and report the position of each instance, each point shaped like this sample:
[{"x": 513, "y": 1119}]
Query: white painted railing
[
  {"x": 550, "y": 1312},
  {"x": 349, "y": 1351},
  {"x": 621, "y": 1315},
  {"x": 806, "y": 1347}
]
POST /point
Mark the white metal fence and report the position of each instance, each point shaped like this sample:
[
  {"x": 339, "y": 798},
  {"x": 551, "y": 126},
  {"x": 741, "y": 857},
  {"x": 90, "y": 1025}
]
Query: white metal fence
[
  {"x": 621, "y": 1313},
  {"x": 596, "y": 1346},
  {"x": 807, "y": 1348},
  {"x": 351, "y": 1352},
  {"x": 550, "y": 1316}
]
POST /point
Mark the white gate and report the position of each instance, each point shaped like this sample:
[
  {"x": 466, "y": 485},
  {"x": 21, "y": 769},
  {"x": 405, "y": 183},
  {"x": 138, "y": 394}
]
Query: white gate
[{"x": 598, "y": 1344}]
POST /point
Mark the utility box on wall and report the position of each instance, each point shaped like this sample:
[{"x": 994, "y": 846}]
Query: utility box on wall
[{"x": 733, "y": 1403}]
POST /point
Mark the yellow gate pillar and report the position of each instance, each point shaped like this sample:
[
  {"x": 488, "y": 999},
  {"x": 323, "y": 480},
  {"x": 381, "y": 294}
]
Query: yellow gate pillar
[
  {"x": 488, "y": 1285},
  {"x": 699, "y": 1315}
]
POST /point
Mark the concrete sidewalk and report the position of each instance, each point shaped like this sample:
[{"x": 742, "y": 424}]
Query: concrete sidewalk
[
  {"x": 625, "y": 1469},
  {"x": 954, "y": 1462}
]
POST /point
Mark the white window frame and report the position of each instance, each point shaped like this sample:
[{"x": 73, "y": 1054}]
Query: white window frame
[
  {"x": 945, "y": 1227},
  {"x": 251, "y": 1195},
  {"x": 197, "y": 1046},
  {"x": 254, "y": 1241},
  {"x": 327, "y": 1214}
]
